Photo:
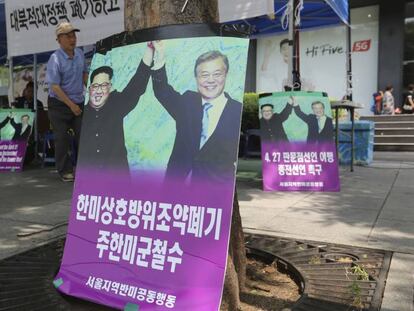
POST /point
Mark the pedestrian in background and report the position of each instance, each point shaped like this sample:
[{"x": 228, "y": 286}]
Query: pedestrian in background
[
  {"x": 388, "y": 105},
  {"x": 66, "y": 76}
]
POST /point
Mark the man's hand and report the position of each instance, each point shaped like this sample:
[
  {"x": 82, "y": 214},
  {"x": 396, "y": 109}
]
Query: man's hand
[
  {"x": 159, "y": 55},
  {"x": 75, "y": 109},
  {"x": 292, "y": 101}
]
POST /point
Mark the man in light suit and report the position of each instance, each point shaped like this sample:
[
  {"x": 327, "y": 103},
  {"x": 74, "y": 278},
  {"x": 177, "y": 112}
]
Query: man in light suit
[
  {"x": 320, "y": 127},
  {"x": 207, "y": 121}
]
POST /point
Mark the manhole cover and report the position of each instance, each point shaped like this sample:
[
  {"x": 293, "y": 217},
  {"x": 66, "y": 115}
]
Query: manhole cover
[
  {"x": 332, "y": 277},
  {"x": 335, "y": 277}
]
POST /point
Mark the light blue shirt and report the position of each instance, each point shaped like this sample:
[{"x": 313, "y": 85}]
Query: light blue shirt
[{"x": 67, "y": 73}]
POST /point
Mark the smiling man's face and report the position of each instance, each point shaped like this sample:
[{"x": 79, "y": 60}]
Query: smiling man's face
[
  {"x": 99, "y": 90},
  {"x": 211, "y": 78}
]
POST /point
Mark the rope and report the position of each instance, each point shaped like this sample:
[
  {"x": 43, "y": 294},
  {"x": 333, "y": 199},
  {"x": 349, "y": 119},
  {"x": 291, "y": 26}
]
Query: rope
[{"x": 288, "y": 10}]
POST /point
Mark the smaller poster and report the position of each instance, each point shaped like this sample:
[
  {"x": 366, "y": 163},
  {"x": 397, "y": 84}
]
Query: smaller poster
[
  {"x": 298, "y": 148},
  {"x": 15, "y": 129}
]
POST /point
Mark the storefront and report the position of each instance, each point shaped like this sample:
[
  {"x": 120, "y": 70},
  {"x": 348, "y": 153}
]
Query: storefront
[{"x": 382, "y": 46}]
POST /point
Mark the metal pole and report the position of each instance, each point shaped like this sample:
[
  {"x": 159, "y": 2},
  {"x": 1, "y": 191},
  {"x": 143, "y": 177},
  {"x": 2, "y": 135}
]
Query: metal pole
[
  {"x": 35, "y": 100},
  {"x": 291, "y": 43},
  {"x": 11, "y": 84},
  {"x": 349, "y": 83}
]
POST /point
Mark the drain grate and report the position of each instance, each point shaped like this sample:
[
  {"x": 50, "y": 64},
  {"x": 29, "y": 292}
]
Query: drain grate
[
  {"x": 332, "y": 277},
  {"x": 26, "y": 282}
]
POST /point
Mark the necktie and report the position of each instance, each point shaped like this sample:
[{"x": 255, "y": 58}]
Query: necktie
[
  {"x": 205, "y": 121},
  {"x": 319, "y": 125}
]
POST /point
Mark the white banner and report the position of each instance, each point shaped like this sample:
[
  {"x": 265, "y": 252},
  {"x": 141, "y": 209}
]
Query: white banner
[
  {"x": 242, "y": 9},
  {"x": 323, "y": 59},
  {"x": 31, "y": 24}
]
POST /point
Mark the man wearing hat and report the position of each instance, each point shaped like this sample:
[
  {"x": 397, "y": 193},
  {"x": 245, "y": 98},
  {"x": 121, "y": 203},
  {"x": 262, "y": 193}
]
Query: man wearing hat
[{"x": 66, "y": 76}]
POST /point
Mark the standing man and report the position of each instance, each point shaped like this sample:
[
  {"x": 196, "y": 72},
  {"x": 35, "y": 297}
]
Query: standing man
[
  {"x": 207, "y": 121},
  {"x": 66, "y": 76},
  {"x": 320, "y": 126},
  {"x": 271, "y": 124}
]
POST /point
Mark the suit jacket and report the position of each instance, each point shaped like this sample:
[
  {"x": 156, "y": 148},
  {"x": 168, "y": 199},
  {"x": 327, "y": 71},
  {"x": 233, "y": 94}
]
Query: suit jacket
[
  {"x": 18, "y": 134},
  {"x": 272, "y": 130},
  {"x": 102, "y": 143},
  {"x": 313, "y": 128},
  {"x": 215, "y": 161},
  {"x": 3, "y": 123}
]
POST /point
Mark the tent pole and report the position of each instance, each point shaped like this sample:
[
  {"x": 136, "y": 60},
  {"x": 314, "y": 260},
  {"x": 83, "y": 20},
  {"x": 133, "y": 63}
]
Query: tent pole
[
  {"x": 35, "y": 100},
  {"x": 11, "y": 84},
  {"x": 348, "y": 58},
  {"x": 291, "y": 46}
]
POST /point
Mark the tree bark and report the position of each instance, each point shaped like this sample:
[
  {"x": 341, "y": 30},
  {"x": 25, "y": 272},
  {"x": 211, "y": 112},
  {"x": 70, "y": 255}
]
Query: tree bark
[{"x": 141, "y": 14}]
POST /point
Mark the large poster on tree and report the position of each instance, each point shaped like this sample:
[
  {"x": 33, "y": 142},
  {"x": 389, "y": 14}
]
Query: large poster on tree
[
  {"x": 152, "y": 203},
  {"x": 298, "y": 148},
  {"x": 15, "y": 129}
]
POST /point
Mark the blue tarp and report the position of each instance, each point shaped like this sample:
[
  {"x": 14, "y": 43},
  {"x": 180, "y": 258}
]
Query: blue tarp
[{"x": 315, "y": 13}]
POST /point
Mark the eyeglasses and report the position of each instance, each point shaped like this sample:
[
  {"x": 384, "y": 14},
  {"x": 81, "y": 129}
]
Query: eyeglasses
[
  {"x": 215, "y": 76},
  {"x": 103, "y": 86}
]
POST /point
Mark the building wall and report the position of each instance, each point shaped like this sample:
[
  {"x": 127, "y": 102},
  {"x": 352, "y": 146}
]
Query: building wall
[{"x": 391, "y": 46}]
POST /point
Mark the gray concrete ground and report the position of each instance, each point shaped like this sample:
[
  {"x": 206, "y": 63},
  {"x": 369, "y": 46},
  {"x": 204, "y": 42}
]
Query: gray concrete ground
[{"x": 375, "y": 208}]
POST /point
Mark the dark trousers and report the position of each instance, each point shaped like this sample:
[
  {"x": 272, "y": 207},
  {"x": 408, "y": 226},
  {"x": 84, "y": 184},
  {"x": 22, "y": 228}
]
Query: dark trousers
[{"x": 63, "y": 119}]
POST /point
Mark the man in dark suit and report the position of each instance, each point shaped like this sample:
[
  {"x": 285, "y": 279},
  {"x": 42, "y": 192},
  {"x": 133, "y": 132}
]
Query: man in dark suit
[
  {"x": 22, "y": 130},
  {"x": 271, "y": 124},
  {"x": 4, "y": 123},
  {"x": 320, "y": 127},
  {"x": 207, "y": 121},
  {"x": 102, "y": 144}
]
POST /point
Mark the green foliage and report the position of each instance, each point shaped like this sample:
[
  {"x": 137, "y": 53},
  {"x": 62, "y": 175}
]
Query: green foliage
[{"x": 250, "y": 118}]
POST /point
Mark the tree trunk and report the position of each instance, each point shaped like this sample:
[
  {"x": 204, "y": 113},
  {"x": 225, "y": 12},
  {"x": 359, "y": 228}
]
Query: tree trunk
[{"x": 140, "y": 14}]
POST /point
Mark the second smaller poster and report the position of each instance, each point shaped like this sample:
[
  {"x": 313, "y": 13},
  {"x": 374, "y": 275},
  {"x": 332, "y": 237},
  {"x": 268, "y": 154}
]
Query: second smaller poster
[{"x": 298, "y": 148}]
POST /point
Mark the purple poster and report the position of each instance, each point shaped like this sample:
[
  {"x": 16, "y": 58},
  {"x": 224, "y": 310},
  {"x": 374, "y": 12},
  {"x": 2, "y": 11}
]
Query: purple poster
[
  {"x": 15, "y": 129},
  {"x": 298, "y": 148},
  {"x": 152, "y": 203}
]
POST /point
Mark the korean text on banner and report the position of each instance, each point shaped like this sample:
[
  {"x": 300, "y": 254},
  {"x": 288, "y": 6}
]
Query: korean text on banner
[
  {"x": 31, "y": 24},
  {"x": 297, "y": 137},
  {"x": 153, "y": 197}
]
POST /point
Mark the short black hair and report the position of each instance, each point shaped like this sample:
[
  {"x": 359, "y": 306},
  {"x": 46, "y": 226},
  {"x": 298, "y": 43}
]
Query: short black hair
[
  {"x": 103, "y": 69},
  {"x": 318, "y": 103},
  {"x": 25, "y": 115},
  {"x": 411, "y": 87},
  {"x": 389, "y": 87},
  {"x": 208, "y": 56},
  {"x": 284, "y": 41},
  {"x": 266, "y": 105}
]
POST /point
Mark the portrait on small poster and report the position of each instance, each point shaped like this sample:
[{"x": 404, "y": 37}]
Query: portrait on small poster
[
  {"x": 16, "y": 126},
  {"x": 297, "y": 137}
]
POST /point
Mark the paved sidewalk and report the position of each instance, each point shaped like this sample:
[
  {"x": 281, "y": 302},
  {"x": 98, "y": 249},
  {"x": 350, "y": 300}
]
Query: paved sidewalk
[{"x": 375, "y": 208}]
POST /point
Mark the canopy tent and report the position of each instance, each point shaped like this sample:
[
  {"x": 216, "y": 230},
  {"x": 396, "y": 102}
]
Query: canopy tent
[{"x": 315, "y": 13}]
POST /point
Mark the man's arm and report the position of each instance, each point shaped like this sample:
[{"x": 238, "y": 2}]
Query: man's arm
[
  {"x": 165, "y": 93},
  {"x": 138, "y": 83},
  {"x": 53, "y": 77},
  {"x": 301, "y": 114},
  {"x": 64, "y": 98},
  {"x": 285, "y": 112},
  {"x": 4, "y": 122}
]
